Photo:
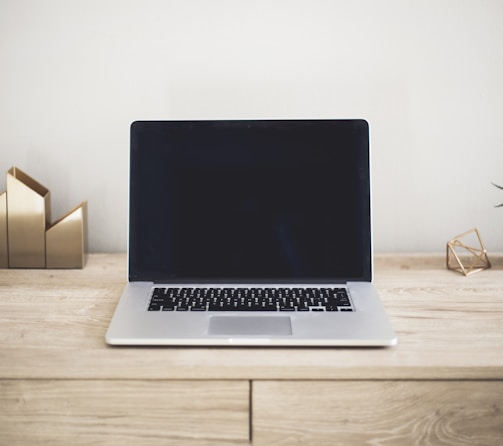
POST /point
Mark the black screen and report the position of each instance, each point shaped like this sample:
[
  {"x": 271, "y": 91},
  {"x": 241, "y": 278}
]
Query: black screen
[{"x": 257, "y": 201}]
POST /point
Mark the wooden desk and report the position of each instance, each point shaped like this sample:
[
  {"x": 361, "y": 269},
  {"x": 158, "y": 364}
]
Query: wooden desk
[{"x": 60, "y": 384}]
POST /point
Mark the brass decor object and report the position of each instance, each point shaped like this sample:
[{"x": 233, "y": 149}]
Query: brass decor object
[
  {"x": 4, "y": 254},
  {"x": 464, "y": 257},
  {"x": 28, "y": 239}
]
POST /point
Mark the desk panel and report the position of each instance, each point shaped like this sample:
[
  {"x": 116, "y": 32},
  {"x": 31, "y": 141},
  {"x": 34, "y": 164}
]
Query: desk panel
[
  {"x": 78, "y": 412},
  {"x": 329, "y": 413}
]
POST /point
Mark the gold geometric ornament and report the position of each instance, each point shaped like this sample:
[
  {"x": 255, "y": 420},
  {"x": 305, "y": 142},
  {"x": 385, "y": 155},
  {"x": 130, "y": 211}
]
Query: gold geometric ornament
[
  {"x": 65, "y": 240},
  {"x": 466, "y": 253},
  {"x": 4, "y": 253},
  {"x": 28, "y": 239},
  {"x": 28, "y": 214}
]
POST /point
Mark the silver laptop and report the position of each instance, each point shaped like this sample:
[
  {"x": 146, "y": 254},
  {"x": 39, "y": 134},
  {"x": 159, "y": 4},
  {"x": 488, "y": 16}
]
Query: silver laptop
[{"x": 253, "y": 233}]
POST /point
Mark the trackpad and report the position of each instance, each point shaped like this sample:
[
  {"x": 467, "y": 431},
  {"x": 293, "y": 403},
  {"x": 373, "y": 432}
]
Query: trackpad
[{"x": 250, "y": 325}]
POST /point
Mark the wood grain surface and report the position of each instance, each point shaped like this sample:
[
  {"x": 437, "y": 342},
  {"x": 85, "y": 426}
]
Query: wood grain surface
[
  {"x": 384, "y": 413},
  {"x": 76, "y": 412},
  {"x": 53, "y": 324},
  {"x": 61, "y": 384}
]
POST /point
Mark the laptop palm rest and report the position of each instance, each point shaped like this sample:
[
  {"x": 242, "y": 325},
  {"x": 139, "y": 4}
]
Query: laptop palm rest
[{"x": 250, "y": 325}]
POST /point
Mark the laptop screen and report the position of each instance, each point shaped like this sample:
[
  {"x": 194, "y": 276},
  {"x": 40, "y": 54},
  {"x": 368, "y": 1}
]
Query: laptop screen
[{"x": 250, "y": 201}]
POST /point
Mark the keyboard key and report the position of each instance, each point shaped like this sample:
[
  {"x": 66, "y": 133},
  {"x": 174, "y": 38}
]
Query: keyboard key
[
  {"x": 282, "y": 308},
  {"x": 198, "y": 308}
]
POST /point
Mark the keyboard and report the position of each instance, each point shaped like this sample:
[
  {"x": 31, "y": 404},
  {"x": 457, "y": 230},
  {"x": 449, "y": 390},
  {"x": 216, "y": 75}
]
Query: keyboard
[{"x": 249, "y": 299}]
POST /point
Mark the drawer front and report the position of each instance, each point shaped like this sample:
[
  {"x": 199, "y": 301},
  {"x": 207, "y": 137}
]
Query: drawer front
[
  {"x": 377, "y": 412},
  {"x": 124, "y": 412}
]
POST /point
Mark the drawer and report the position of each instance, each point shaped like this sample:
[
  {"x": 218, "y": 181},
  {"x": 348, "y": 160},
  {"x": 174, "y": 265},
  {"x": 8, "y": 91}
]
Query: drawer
[
  {"x": 377, "y": 412},
  {"x": 78, "y": 412}
]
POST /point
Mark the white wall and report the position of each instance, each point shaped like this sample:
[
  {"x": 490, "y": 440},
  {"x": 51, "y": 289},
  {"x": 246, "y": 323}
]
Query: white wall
[{"x": 427, "y": 74}]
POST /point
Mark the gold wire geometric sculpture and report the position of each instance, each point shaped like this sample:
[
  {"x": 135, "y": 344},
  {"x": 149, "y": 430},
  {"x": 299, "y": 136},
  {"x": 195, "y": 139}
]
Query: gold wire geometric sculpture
[{"x": 464, "y": 257}]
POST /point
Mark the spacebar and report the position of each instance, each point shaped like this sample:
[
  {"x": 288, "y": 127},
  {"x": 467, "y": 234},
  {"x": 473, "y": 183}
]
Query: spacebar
[{"x": 230, "y": 308}]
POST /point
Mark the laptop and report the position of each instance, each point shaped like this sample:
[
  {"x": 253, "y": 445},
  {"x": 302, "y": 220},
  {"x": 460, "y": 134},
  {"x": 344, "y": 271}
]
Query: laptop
[{"x": 250, "y": 233}]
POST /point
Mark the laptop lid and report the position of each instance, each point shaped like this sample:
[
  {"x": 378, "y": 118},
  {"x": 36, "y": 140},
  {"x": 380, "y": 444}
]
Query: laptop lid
[{"x": 250, "y": 201}]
